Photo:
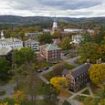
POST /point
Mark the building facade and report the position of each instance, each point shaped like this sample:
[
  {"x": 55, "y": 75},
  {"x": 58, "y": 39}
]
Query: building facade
[
  {"x": 13, "y": 43},
  {"x": 76, "y": 39},
  {"x": 79, "y": 77},
  {"x": 51, "y": 52},
  {"x": 32, "y": 44}
]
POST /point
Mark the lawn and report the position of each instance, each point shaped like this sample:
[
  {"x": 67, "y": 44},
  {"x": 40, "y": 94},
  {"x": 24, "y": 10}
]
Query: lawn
[
  {"x": 65, "y": 93},
  {"x": 2, "y": 92},
  {"x": 45, "y": 102},
  {"x": 54, "y": 73},
  {"x": 49, "y": 75}
]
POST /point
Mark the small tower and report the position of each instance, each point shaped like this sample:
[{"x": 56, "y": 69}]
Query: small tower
[
  {"x": 55, "y": 26},
  {"x": 2, "y": 35}
]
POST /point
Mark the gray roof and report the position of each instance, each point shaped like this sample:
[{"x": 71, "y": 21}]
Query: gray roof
[
  {"x": 51, "y": 47},
  {"x": 65, "y": 72},
  {"x": 5, "y": 51},
  {"x": 31, "y": 41},
  {"x": 80, "y": 70}
]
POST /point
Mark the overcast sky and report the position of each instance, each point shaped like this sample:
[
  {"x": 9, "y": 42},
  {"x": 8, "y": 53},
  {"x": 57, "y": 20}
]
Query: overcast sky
[{"x": 70, "y": 8}]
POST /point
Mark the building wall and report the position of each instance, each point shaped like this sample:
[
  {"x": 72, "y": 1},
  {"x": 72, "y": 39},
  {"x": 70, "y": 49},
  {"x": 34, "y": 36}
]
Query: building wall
[
  {"x": 53, "y": 55},
  {"x": 79, "y": 82},
  {"x": 14, "y": 45},
  {"x": 34, "y": 45}
]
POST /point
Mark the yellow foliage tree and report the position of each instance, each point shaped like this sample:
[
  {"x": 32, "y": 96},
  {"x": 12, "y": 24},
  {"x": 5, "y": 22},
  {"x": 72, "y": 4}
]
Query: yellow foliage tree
[
  {"x": 59, "y": 83},
  {"x": 19, "y": 96},
  {"x": 97, "y": 73},
  {"x": 6, "y": 103}
]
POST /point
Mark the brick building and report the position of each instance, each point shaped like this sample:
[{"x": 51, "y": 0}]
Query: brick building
[
  {"x": 79, "y": 77},
  {"x": 51, "y": 52}
]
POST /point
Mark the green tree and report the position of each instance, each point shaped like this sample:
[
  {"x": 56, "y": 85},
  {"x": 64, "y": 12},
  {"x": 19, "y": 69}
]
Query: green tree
[
  {"x": 86, "y": 38},
  {"x": 24, "y": 55},
  {"x": 45, "y": 38},
  {"x": 89, "y": 51},
  {"x": 65, "y": 43},
  {"x": 58, "y": 68},
  {"x": 57, "y": 34},
  {"x": 4, "y": 69},
  {"x": 29, "y": 81}
]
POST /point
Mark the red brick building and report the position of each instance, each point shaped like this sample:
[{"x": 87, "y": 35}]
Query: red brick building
[{"x": 51, "y": 52}]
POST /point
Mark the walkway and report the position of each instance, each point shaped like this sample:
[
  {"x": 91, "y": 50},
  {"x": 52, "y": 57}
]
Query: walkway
[
  {"x": 9, "y": 89},
  {"x": 72, "y": 60}
]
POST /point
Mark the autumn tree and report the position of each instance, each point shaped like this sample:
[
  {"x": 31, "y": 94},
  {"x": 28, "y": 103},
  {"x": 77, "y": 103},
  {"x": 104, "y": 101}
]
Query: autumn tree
[
  {"x": 102, "y": 52},
  {"x": 19, "y": 97},
  {"x": 97, "y": 73},
  {"x": 57, "y": 34},
  {"x": 59, "y": 83}
]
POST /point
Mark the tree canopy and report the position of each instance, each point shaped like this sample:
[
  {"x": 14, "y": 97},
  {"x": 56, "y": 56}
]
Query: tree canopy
[
  {"x": 23, "y": 55},
  {"x": 4, "y": 69},
  {"x": 65, "y": 43},
  {"x": 89, "y": 51},
  {"x": 45, "y": 38},
  {"x": 59, "y": 83},
  {"x": 97, "y": 73}
]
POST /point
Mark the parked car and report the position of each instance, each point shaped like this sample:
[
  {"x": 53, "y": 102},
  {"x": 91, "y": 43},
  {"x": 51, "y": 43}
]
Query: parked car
[
  {"x": 45, "y": 68},
  {"x": 39, "y": 70}
]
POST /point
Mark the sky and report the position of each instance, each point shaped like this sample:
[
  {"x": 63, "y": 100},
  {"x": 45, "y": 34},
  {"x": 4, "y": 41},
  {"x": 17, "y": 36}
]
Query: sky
[{"x": 58, "y": 8}]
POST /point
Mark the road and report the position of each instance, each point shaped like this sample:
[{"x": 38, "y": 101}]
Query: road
[
  {"x": 72, "y": 60},
  {"x": 9, "y": 89}
]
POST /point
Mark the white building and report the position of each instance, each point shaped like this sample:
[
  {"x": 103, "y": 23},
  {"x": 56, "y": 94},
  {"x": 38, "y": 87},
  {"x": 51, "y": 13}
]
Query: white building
[
  {"x": 55, "y": 25},
  {"x": 76, "y": 39},
  {"x": 71, "y": 30},
  {"x": 13, "y": 43},
  {"x": 32, "y": 44}
]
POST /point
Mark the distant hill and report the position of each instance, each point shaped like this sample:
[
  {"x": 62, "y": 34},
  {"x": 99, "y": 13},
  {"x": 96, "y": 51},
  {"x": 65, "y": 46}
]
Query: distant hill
[{"x": 38, "y": 19}]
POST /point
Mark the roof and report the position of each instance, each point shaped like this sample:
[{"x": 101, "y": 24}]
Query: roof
[
  {"x": 51, "y": 47},
  {"x": 65, "y": 72},
  {"x": 80, "y": 70},
  {"x": 31, "y": 40},
  {"x": 72, "y": 30},
  {"x": 9, "y": 40},
  {"x": 5, "y": 51}
]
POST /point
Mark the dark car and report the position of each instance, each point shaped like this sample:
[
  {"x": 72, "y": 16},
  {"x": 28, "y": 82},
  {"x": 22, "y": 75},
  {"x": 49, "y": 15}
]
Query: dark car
[{"x": 45, "y": 68}]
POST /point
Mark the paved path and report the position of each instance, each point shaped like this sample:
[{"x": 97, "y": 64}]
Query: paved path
[
  {"x": 76, "y": 94},
  {"x": 72, "y": 60},
  {"x": 40, "y": 75},
  {"x": 75, "y": 102},
  {"x": 47, "y": 71},
  {"x": 9, "y": 89},
  {"x": 43, "y": 79}
]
